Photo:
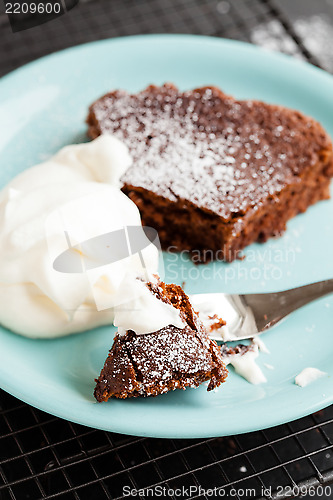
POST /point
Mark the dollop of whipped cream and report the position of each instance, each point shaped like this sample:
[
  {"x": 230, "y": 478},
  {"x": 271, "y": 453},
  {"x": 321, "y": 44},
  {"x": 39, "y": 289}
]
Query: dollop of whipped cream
[
  {"x": 141, "y": 311},
  {"x": 72, "y": 197}
]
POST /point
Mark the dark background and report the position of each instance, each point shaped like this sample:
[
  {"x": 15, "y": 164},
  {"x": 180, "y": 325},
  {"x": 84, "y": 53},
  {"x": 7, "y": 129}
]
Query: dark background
[
  {"x": 299, "y": 27},
  {"x": 42, "y": 456}
]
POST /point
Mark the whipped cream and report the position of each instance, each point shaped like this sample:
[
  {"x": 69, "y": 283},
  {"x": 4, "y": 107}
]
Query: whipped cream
[
  {"x": 308, "y": 375},
  {"x": 216, "y": 305},
  {"x": 260, "y": 343},
  {"x": 142, "y": 311},
  {"x": 245, "y": 365},
  {"x": 72, "y": 196}
]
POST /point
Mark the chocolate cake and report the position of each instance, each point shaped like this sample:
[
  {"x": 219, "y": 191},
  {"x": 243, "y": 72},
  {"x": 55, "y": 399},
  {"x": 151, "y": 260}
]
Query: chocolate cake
[
  {"x": 213, "y": 174},
  {"x": 171, "y": 358}
]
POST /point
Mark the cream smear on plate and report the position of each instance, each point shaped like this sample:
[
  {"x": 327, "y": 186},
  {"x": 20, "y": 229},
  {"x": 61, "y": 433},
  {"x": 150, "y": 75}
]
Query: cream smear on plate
[{"x": 308, "y": 375}]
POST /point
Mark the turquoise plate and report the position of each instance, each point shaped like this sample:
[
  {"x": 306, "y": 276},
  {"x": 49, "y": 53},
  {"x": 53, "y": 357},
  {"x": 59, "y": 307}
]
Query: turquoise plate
[{"x": 43, "y": 107}]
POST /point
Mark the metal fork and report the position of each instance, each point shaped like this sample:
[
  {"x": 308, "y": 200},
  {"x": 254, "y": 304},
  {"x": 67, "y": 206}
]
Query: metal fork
[{"x": 252, "y": 314}]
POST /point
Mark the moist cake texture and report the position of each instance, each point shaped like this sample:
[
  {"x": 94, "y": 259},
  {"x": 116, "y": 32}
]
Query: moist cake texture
[
  {"x": 213, "y": 174},
  {"x": 171, "y": 358}
]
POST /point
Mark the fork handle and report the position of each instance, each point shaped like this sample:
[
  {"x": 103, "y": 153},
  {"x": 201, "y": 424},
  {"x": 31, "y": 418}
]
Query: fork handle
[{"x": 271, "y": 308}]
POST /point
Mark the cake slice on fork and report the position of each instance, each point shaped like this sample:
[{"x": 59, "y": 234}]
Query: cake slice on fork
[{"x": 154, "y": 362}]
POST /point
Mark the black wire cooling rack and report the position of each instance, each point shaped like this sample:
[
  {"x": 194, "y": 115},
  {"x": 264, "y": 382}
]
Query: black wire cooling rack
[{"x": 42, "y": 456}]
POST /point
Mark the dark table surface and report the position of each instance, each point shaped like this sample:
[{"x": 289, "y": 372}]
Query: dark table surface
[{"x": 42, "y": 456}]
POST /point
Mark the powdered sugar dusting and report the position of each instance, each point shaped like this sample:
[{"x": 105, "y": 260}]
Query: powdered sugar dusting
[
  {"x": 206, "y": 148},
  {"x": 175, "y": 351}
]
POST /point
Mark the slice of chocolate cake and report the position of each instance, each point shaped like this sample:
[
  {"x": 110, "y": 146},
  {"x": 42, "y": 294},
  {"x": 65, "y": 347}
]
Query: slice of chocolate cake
[
  {"x": 171, "y": 358},
  {"x": 213, "y": 174}
]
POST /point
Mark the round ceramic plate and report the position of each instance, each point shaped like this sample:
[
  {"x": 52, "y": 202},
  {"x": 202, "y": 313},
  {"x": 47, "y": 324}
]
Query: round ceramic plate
[{"x": 43, "y": 107}]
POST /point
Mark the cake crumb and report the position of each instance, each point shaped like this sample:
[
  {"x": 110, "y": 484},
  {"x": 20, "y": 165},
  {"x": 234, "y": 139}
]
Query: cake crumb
[{"x": 216, "y": 322}]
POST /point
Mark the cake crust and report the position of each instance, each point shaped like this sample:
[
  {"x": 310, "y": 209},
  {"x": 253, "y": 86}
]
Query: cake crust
[{"x": 212, "y": 173}]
